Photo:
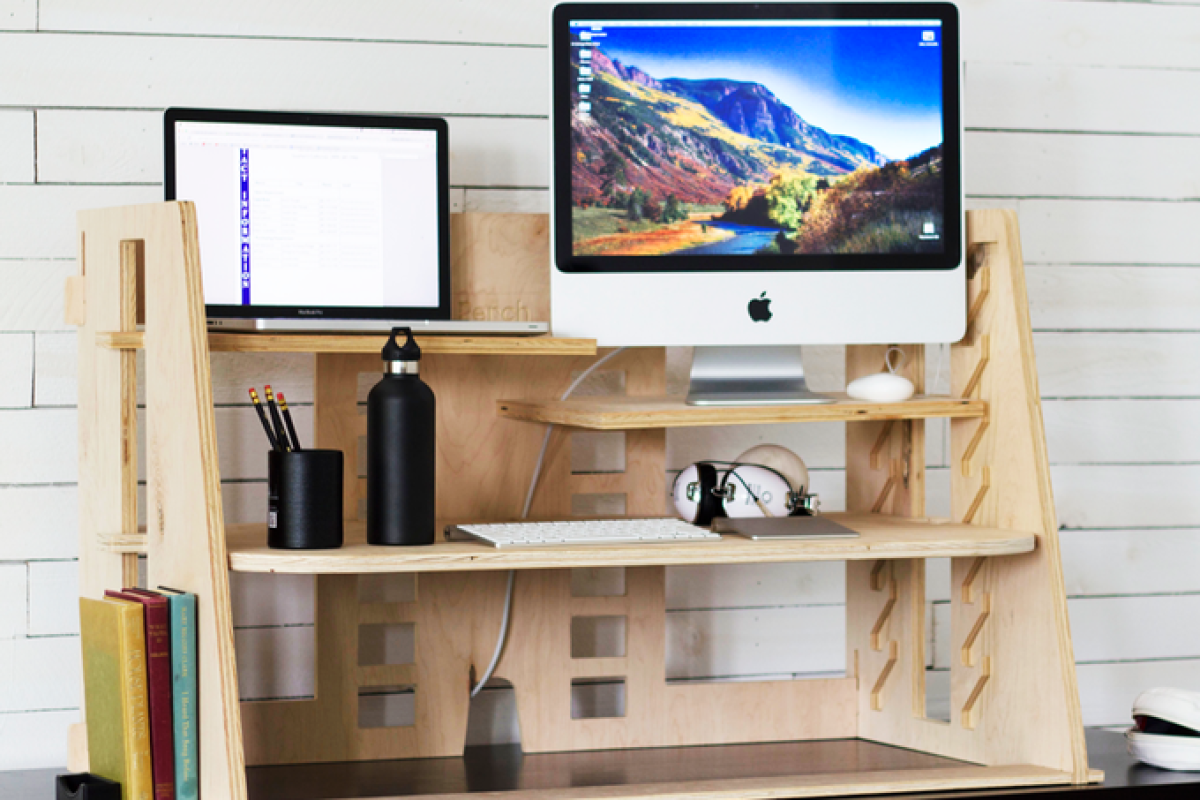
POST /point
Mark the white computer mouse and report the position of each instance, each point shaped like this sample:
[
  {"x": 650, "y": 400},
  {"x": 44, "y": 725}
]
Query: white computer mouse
[{"x": 882, "y": 387}]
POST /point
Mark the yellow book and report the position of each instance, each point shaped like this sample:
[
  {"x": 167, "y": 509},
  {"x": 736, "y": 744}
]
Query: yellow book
[{"x": 115, "y": 695}]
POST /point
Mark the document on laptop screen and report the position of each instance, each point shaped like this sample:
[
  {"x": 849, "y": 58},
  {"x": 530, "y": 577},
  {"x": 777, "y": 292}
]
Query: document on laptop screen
[{"x": 312, "y": 215}]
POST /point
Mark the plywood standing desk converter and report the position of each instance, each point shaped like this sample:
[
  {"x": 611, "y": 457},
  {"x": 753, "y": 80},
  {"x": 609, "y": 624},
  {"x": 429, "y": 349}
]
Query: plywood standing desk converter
[{"x": 1015, "y": 717}]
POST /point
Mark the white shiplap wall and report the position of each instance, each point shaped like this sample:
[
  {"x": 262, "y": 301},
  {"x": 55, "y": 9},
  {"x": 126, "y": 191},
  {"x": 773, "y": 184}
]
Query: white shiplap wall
[{"x": 1079, "y": 114}]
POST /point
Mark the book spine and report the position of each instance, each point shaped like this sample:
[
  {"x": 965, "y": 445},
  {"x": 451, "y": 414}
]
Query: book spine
[
  {"x": 103, "y": 684},
  {"x": 183, "y": 669},
  {"x": 158, "y": 673},
  {"x": 136, "y": 708}
]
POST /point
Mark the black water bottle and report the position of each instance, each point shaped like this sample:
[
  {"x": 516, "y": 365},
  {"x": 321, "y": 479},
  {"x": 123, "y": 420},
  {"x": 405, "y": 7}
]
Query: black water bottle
[{"x": 400, "y": 450}]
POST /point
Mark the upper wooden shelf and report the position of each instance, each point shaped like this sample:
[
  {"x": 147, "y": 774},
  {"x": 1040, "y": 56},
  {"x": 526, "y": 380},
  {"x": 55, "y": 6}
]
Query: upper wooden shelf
[
  {"x": 881, "y": 537},
  {"x": 370, "y": 343},
  {"x": 631, "y": 413}
]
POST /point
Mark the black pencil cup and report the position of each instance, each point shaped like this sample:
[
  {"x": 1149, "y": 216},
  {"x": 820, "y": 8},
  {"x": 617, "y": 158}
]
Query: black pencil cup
[
  {"x": 304, "y": 499},
  {"x": 86, "y": 786}
]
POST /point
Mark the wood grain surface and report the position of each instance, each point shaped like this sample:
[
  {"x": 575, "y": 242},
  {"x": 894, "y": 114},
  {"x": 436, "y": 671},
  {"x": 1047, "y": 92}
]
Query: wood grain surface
[
  {"x": 880, "y": 537},
  {"x": 673, "y": 412},
  {"x": 367, "y": 343}
]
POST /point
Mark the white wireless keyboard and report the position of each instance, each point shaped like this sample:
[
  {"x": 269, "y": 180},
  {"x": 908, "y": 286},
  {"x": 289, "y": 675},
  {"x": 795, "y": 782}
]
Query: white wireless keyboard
[{"x": 612, "y": 531}]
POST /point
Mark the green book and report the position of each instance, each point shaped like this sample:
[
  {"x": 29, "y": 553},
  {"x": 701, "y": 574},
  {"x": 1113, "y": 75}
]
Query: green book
[{"x": 183, "y": 685}]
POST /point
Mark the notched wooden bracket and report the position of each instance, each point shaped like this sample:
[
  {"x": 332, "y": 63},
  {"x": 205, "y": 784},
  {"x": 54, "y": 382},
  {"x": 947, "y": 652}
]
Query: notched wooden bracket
[
  {"x": 877, "y": 689},
  {"x": 896, "y": 476},
  {"x": 968, "y": 584},
  {"x": 985, "y": 354},
  {"x": 968, "y": 647},
  {"x": 970, "y": 709},
  {"x": 136, "y": 543},
  {"x": 880, "y": 443},
  {"x": 983, "y": 283},
  {"x": 977, "y": 255},
  {"x": 985, "y": 483},
  {"x": 878, "y": 581},
  {"x": 973, "y": 445},
  {"x": 884, "y": 615}
]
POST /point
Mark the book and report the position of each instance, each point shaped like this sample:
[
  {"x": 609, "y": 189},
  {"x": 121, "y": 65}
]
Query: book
[
  {"x": 183, "y": 685},
  {"x": 113, "y": 641},
  {"x": 158, "y": 678}
]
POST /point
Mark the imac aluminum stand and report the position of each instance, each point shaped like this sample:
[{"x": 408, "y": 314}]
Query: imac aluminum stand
[{"x": 749, "y": 376}]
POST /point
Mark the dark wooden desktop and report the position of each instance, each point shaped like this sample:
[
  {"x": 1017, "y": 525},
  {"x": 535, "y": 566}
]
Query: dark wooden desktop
[{"x": 499, "y": 768}]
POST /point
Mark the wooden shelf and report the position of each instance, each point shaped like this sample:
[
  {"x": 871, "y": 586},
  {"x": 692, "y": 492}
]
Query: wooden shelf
[
  {"x": 633, "y": 413},
  {"x": 787, "y": 769},
  {"x": 1014, "y": 711},
  {"x": 882, "y": 537},
  {"x": 370, "y": 343}
]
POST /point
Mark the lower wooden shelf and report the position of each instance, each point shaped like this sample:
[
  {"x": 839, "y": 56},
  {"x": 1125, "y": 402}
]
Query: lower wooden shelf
[
  {"x": 881, "y": 537},
  {"x": 788, "y": 769}
]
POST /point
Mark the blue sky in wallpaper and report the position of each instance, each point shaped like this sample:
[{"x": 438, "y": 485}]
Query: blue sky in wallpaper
[{"x": 877, "y": 84}]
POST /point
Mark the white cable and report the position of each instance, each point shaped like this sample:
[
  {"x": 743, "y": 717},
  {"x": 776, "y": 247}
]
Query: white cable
[
  {"x": 487, "y": 675},
  {"x": 537, "y": 469},
  {"x": 537, "y": 472}
]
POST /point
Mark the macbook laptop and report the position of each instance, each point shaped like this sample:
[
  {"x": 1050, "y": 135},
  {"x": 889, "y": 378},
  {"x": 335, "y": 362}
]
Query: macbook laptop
[{"x": 320, "y": 222}]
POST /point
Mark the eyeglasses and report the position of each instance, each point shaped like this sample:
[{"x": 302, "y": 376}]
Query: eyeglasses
[{"x": 703, "y": 492}]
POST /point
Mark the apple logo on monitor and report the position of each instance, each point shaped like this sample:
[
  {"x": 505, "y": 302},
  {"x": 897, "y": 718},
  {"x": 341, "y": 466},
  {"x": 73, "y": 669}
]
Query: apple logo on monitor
[{"x": 760, "y": 308}]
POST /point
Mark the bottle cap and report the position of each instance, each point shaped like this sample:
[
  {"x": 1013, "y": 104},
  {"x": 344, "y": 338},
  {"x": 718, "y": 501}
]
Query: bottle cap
[{"x": 394, "y": 352}]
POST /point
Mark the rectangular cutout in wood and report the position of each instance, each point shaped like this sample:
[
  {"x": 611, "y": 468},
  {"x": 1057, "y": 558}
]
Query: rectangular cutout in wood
[
  {"x": 598, "y": 582},
  {"x": 598, "y": 637},
  {"x": 387, "y": 707},
  {"x": 392, "y": 588},
  {"x": 597, "y": 698},
  {"x": 386, "y": 644},
  {"x": 597, "y": 452},
  {"x": 591, "y": 506},
  {"x": 937, "y": 639},
  {"x": 276, "y": 663}
]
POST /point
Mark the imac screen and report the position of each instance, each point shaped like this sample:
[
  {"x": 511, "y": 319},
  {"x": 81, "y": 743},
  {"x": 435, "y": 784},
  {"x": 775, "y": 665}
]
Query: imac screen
[{"x": 820, "y": 137}]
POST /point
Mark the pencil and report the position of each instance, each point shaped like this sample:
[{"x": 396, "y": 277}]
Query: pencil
[
  {"x": 287, "y": 419},
  {"x": 262, "y": 417},
  {"x": 276, "y": 423}
]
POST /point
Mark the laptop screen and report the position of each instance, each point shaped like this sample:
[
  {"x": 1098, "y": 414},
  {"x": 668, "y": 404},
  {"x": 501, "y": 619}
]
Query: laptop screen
[{"x": 312, "y": 215}]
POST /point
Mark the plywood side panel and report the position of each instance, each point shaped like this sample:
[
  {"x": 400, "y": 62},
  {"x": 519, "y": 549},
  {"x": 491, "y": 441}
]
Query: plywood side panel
[
  {"x": 336, "y": 421},
  {"x": 1031, "y": 708},
  {"x": 885, "y": 619},
  {"x": 186, "y": 533},
  {"x": 1013, "y": 693},
  {"x": 106, "y": 407},
  {"x": 500, "y": 267},
  {"x": 656, "y": 714},
  {"x": 455, "y": 617}
]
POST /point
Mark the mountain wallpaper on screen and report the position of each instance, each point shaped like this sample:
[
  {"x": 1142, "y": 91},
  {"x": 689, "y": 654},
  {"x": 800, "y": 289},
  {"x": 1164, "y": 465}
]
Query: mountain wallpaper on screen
[{"x": 722, "y": 166}]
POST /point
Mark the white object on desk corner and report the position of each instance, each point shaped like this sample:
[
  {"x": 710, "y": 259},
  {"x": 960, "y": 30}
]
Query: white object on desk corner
[
  {"x": 1177, "y": 706},
  {"x": 1166, "y": 752},
  {"x": 883, "y": 387}
]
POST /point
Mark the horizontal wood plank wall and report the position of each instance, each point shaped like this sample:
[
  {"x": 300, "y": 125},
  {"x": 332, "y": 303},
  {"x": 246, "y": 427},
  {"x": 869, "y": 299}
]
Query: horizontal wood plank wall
[{"x": 1076, "y": 115}]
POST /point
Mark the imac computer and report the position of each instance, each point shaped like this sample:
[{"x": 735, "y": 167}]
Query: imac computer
[{"x": 751, "y": 177}]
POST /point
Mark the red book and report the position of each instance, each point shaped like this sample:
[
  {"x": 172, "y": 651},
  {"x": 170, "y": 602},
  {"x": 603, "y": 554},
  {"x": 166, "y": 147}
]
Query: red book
[{"x": 158, "y": 676}]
